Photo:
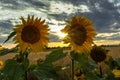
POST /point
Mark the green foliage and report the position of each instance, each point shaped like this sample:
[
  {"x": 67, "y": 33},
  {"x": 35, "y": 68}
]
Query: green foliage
[
  {"x": 13, "y": 70},
  {"x": 6, "y": 51},
  {"x": 19, "y": 67},
  {"x": 55, "y": 55},
  {"x": 10, "y": 36},
  {"x": 16, "y": 68},
  {"x": 118, "y": 61},
  {"x": 80, "y": 58},
  {"x": 111, "y": 76},
  {"x": 45, "y": 71},
  {"x": 113, "y": 64}
]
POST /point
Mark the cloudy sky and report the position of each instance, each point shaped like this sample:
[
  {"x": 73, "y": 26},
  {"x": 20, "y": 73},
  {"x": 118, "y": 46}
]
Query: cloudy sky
[{"x": 104, "y": 13}]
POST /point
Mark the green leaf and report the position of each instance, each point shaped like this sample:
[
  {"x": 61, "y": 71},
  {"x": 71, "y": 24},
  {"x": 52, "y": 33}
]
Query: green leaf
[
  {"x": 91, "y": 76},
  {"x": 1, "y": 76},
  {"x": 55, "y": 55},
  {"x": 81, "y": 58},
  {"x": 10, "y": 36},
  {"x": 118, "y": 61},
  {"x": 112, "y": 63},
  {"x": 111, "y": 76},
  {"x": 45, "y": 71},
  {"x": 13, "y": 70},
  {"x": 26, "y": 63},
  {"x": 6, "y": 51}
]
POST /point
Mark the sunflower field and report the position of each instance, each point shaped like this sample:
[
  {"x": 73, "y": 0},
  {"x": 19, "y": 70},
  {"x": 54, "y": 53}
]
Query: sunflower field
[{"x": 85, "y": 60}]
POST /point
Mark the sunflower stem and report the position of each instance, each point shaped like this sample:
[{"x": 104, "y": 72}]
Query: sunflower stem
[
  {"x": 101, "y": 74},
  {"x": 72, "y": 69},
  {"x": 25, "y": 75},
  {"x": 26, "y": 56}
]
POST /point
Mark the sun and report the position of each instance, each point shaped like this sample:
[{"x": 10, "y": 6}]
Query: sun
[{"x": 61, "y": 34}]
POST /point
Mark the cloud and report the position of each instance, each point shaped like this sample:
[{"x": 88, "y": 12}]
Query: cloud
[
  {"x": 104, "y": 13},
  {"x": 108, "y": 36},
  {"x": 107, "y": 42},
  {"x": 105, "y": 17},
  {"x": 13, "y": 4},
  {"x": 6, "y": 24},
  {"x": 36, "y": 3},
  {"x": 54, "y": 38}
]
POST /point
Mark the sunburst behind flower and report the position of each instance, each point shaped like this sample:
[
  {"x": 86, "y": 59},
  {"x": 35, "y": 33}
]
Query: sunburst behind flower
[
  {"x": 32, "y": 34},
  {"x": 80, "y": 33}
]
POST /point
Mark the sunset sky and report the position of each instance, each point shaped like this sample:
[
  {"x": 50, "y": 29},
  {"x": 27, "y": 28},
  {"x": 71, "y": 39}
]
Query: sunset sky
[{"x": 104, "y": 13}]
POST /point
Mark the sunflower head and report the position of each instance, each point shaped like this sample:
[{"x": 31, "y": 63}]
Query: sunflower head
[
  {"x": 1, "y": 65},
  {"x": 98, "y": 54},
  {"x": 116, "y": 72},
  {"x": 80, "y": 33},
  {"x": 32, "y": 34},
  {"x": 78, "y": 74}
]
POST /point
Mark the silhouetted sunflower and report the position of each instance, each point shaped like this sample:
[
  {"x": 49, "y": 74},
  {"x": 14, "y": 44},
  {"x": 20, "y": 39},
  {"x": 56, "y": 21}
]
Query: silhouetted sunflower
[
  {"x": 80, "y": 33},
  {"x": 98, "y": 54},
  {"x": 32, "y": 34}
]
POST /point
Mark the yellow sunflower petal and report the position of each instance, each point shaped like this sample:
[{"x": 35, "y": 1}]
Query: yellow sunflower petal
[
  {"x": 32, "y": 34},
  {"x": 116, "y": 73},
  {"x": 1, "y": 64},
  {"x": 23, "y": 20},
  {"x": 80, "y": 33}
]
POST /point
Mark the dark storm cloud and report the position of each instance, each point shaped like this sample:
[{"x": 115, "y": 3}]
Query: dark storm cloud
[
  {"x": 13, "y": 4},
  {"x": 36, "y": 3},
  {"x": 22, "y": 4},
  {"x": 103, "y": 13},
  {"x": 2, "y": 39},
  {"x": 6, "y": 24},
  {"x": 5, "y": 28}
]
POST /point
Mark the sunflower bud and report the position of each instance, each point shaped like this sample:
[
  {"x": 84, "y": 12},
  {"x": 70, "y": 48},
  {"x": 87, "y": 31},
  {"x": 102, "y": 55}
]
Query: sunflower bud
[{"x": 98, "y": 54}]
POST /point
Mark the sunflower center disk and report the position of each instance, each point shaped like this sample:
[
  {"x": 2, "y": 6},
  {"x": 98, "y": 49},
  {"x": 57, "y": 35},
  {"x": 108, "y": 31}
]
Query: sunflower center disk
[
  {"x": 78, "y": 35},
  {"x": 98, "y": 55},
  {"x": 30, "y": 34}
]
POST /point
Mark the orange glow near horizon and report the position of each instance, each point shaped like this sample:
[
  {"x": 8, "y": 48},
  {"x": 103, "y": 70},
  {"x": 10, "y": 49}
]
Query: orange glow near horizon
[{"x": 61, "y": 44}]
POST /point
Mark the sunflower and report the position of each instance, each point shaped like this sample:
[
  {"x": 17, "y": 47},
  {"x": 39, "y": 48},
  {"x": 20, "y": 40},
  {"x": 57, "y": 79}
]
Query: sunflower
[
  {"x": 80, "y": 33},
  {"x": 78, "y": 74},
  {"x": 32, "y": 34},
  {"x": 1, "y": 65},
  {"x": 98, "y": 54},
  {"x": 116, "y": 72}
]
